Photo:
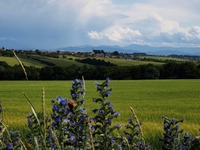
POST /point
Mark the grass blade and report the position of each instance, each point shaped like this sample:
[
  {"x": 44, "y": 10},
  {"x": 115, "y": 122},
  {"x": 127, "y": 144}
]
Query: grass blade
[
  {"x": 137, "y": 120},
  {"x": 33, "y": 109},
  {"x": 21, "y": 65},
  {"x": 56, "y": 139},
  {"x": 36, "y": 143}
]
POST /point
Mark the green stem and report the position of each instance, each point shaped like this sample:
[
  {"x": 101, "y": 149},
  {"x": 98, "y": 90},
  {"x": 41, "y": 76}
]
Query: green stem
[
  {"x": 21, "y": 65},
  {"x": 137, "y": 120}
]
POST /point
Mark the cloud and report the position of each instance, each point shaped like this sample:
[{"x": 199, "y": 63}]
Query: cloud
[
  {"x": 153, "y": 25},
  {"x": 116, "y": 34},
  {"x": 96, "y": 35},
  {"x": 55, "y": 23}
]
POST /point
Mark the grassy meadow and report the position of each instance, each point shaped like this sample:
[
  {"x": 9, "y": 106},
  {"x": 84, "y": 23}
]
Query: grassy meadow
[
  {"x": 128, "y": 62},
  {"x": 42, "y": 61},
  {"x": 151, "y": 99},
  {"x": 163, "y": 58}
]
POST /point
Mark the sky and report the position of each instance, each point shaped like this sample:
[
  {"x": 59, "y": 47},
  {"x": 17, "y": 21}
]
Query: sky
[{"x": 61, "y": 23}]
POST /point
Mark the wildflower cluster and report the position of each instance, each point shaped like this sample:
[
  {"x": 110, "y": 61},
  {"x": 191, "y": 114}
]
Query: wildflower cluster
[
  {"x": 102, "y": 128},
  {"x": 9, "y": 139},
  {"x": 133, "y": 136},
  {"x": 39, "y": 130},
  {"x": 70, "y": 119},
  {"x": 172, "y": 136},
  {"x": 66, "y": 128}
]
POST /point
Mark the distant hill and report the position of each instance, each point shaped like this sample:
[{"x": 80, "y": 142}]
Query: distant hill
[
  {"x": 86, "y": 48},
  {"x": 164, "y": 50},
  {"x": 133, "y": 48},
  {"x": 138, "y": 48}
]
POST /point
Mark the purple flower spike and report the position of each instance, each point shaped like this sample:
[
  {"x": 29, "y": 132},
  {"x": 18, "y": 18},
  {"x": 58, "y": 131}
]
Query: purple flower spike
[
  {"x": 107, "y": 80},
  {"x": 9, "y": 146},
  {"x": 82, "y": 101},
  {"x": 118, "y": 126},
  {"x": 130, "y": 120},
  {"x": 72, "y": 139},
  {"x": 113, "y": 141},
  {"x": 63, "y": 102}
]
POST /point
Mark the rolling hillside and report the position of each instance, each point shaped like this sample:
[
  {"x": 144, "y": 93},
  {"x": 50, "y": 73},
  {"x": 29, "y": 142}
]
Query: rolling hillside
[{"x": 42, "y": 61}]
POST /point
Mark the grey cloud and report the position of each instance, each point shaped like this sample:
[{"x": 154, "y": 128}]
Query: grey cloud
[
  {"x": 54, "y": 23},
  {"x": 36, "y": 22}
]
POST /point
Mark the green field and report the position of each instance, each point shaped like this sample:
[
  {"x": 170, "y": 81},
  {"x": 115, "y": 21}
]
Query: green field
[
  {"x": 42, "y": 61},
  {"x": 163, "y": 58},
  {"x": 27, "y": 62},
  {"x": 128, "y": 62},
  {"x": 151, "y": 99}
]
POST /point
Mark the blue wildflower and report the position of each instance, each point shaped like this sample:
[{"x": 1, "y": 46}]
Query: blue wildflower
[
  {"x": 166, "y": 125},
  {"x": 55, "y": 108},
  {"x": 66, "y": 120},
  {"x": 113, "y": 112},
  {"x": 100, "y": 112},
  {"x": 65, "y": 111},
  {"x": 130, "y": 120},
  {"x": 92, "y": 127},
  {"x": 82, "y": 110},
  {"x": 137, "y": 132},
  {"x": 95, "y": 120},
  {"x": 72, "y": 139},
  {"x": 118, "y": 126},
  {"x": 59, "y": 98},
  {"x": 82, "y": 101},
  {"x": 107, "y": 80},
  {"x": 76, "y": 80},
  {"x": 9, "y": 146},
  {"x": 109, "y": 121},
  {"x": 63, "y": 102},
  {"x": 74, "y": 87},
  {"x": 29, "y": 122},
  {"x": 109, "y": 104},
  {"x": 130, "y": 138},
  {"x": 113, "y": 141},
  {"x": 116, "y": 114},
  {"x": 71, "y": 116},
  {"x": 82, "y": 91},
  {"x": 57, "y": 119},
  {"x": 139, "y": 143},
  {"x": 96, "y": 83},
  {"x": 173, "y": 121},
  {"x": 75, "y": 96},
  {"x": 71, "y": 124},
  {"x": 107, "y": 93},
  {"x": 53, "y": 116}
]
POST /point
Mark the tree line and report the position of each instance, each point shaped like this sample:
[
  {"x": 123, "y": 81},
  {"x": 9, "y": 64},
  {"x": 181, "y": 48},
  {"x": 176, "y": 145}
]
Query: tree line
[{"x": 170, "y": 70}]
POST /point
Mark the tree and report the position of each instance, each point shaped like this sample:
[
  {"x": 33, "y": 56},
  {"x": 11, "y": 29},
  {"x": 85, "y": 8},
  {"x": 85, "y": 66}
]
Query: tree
[
  {"x": 116, "y": 53},
  {"x": 169, "y": 70},
  {"x": 149, "y": 72},
  {"x": 37, "y": 51},
  {"x": 188, "y": 70}
]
